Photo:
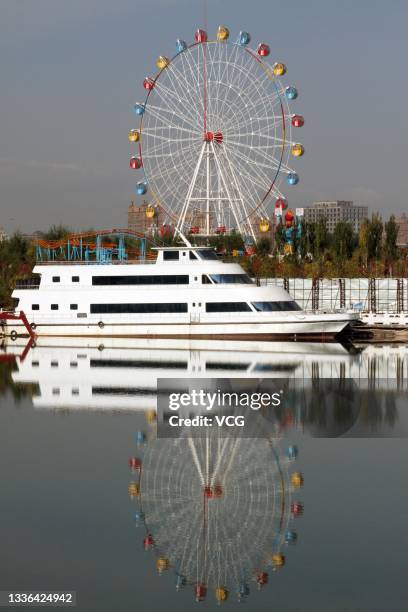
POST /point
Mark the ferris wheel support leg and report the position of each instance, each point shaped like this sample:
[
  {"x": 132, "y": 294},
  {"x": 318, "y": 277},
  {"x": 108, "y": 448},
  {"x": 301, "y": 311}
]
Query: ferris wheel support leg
[
  {"x": 247, "y": 227},
  {"x": 208, "y": 189},
  {"x": 227, "y": 190},
  {"x": 190, "y": 190}
]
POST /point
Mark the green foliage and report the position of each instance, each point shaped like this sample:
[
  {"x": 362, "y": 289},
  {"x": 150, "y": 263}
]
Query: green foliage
[
  {"x": 391, "y": 234},
  {"x": 344, "y": 241},
  {"x": 263, "y": 246},
  {"x": 56, "y": 232}
]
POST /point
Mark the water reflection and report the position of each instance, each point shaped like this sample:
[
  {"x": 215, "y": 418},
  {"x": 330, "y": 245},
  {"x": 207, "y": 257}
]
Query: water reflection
[
  {"x": 217, "y": 512},
  {"x": 122, "y": 374}
]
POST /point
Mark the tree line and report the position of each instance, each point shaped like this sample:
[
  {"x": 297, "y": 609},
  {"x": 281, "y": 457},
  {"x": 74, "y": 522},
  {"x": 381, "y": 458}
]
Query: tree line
[{"x": 317, "y": 253}]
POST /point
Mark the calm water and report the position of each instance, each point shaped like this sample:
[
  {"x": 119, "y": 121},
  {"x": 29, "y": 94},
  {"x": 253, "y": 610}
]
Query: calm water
[{"x": 68, "y": 421}]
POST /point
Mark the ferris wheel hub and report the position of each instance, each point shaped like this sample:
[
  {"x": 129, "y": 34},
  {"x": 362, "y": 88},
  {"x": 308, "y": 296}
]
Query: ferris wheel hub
[{"x": 213, "y": 136}]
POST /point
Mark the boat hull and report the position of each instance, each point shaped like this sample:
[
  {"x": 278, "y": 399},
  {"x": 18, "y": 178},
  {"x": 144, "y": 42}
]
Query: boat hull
[{"x": 305, "y": 327}]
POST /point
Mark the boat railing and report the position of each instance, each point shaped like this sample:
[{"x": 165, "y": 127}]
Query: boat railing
[
  {"x": 64, "y": 262},
  {"x": 28, "y": 283}
]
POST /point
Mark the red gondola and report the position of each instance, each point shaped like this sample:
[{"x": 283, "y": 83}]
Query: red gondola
[
  {"x": 298, "y": 121},
  {"x": 263, "y": 50},
  {"x": 200, "y": 36},
  {"x": 148, "y": 83}
]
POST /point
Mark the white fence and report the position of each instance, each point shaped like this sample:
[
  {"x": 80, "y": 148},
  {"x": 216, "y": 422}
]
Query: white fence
[{"x": 364, "y": 294}]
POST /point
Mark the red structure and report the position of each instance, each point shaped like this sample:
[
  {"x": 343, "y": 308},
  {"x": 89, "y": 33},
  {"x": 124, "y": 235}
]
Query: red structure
[{"x": 11, "y": 316}]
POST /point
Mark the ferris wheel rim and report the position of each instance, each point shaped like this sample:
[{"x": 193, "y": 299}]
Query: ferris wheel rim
[{"x": 266, "y": 68}]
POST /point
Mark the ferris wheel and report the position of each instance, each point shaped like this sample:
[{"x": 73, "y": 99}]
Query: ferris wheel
[
  {"x": 214, "y": 139},
  {"x": 217, "y": 511}
]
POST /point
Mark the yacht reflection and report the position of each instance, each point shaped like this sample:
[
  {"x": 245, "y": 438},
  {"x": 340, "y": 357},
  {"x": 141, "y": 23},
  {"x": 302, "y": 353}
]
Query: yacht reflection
[{"x": 122, "y": 375}]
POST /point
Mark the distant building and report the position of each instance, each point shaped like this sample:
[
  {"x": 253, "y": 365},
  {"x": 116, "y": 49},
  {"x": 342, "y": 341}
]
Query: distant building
[
  {"x": 138, "y": 221},
  {"x": 336, "y": 211},
  {"x": 3, "y": 235},
  {"x": 402, "y": 223}
]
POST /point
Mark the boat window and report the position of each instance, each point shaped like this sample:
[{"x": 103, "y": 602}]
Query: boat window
[
  {"x": 73, "y": 364},
  {"x": 138, "y": 363},
  {"x": 15, "y": 302},
  {"x": 275, "y": 306},
  {"x": 35, "y": 364},
  {"x": 73, "y": 306},
  {"x": 217, "y": 365},
  {"x": 75, "y": 391},
  {"x": 137, "y": 308},
  {"x": 54, "y": 306},
  {"x": 227, "y": 307},
  {"x": 193, "y": 255},
  {"x": 55, "y": 391},
  {"x": 156, "y": 279},
  {"x": 56, "y": 279},
  {"x": 81, "y": 315},
  {"x": 171, "y": 255},
  {"x": 207, "y": 254},
  {"x": 35, "y": 307},
  {"x": 205, "y": 279},
  {"x": 75, "y": 279},
  {"x": 54, "y": 364},
  {"x": 221, "y": 279}
]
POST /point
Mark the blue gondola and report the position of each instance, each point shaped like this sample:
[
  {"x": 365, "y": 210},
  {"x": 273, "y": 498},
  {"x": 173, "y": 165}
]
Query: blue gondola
[
  {"x": 244, "y": 38},
  {"x": 292, "y": 178},
  {"x": 291, "y": 93},
  {"x": 141, "y": 188},
  {"x": 181, "y": 45},
  {"x": 139, "y": 109}
]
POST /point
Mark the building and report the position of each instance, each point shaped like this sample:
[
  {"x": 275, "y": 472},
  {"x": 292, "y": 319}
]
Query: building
[
  {"x": 402, "y": 224},
  {"x": 138, "y": 221},
  {"x": 336, "y": 211},
  {"x": 3, "y": 235}
]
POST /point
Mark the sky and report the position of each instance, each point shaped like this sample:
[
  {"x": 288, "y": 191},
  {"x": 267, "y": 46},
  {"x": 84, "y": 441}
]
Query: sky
[{"x": 71, "y": 71}]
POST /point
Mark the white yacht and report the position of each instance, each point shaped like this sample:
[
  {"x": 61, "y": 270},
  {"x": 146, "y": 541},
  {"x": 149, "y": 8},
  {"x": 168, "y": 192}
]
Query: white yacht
[{"x": 187, "y": 292}]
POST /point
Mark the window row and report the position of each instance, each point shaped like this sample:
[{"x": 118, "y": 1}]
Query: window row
[
  {"x": 222, "y": 279},
  {"x": 283, "y": 306},
  {"x": 137, "y": 308},
  {"x": 156, "y": 279},
  {"x": 54, "y": 307},
  {"x": 57, "y": 279}
]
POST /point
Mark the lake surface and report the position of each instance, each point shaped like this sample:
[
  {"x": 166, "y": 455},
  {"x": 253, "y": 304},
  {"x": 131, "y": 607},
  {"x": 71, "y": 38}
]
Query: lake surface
[{"x": 69, "y": 422}]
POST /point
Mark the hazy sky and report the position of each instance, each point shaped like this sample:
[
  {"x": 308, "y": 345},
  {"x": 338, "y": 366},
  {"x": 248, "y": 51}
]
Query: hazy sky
[{"x": 71, "y": 70}]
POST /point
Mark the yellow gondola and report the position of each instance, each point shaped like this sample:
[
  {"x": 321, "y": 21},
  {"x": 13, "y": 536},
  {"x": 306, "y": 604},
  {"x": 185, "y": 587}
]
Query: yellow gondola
[
  {"x": 162, "y": 62},
  {"x": 264, "y": 225},
  {"x": 134, "y": 136},
  {"x": 297, "y": 480},
  {"x": 221, "y": 594},
  {"x": 279, "y": 69},
  {"x": 222, "y": 33},
  {"x": 297, "y": 150}
]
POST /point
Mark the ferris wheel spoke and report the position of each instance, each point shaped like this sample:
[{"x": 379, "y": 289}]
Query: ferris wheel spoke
[
  {"x": 166, "y": 117},
  {"x": 270, "y": 162},
  {"x": 173, "y": 101}
]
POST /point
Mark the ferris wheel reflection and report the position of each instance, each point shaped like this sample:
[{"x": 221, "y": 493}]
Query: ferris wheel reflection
[{"x": 218, "y": 512}]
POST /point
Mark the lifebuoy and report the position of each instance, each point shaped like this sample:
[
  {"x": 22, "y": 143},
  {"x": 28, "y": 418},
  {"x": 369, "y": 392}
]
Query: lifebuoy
[
  {"x": 33, "y": 326},
  {"x": 101, "y": 347},
  {"x": 101, "y": 324},
  {"x": 13, "y": 334}
]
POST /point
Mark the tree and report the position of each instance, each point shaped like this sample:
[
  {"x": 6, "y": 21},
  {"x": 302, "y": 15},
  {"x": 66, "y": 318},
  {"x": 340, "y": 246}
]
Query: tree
[
  {"x": 56, "y": 232},
  {"x": 391, "y": 234},
  {"x": 263, "y": 246},
  {"x": 343, "y": 240},
  {"x": 374, "y": 237}
]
